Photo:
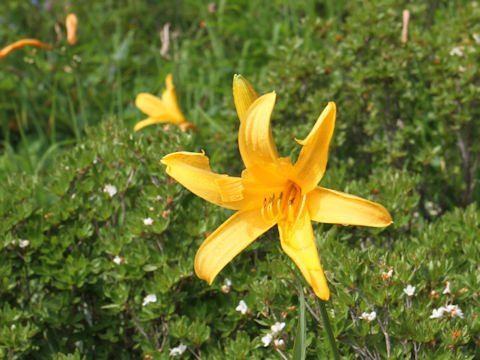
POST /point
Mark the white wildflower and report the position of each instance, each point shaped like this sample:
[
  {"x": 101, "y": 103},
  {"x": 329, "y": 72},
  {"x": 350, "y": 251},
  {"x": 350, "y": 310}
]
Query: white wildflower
[
  {"x": 151, "y": 298},
  {"x": 447, "y": 288},
  {"x": 387, "y": 275},
  {"x": 277, "y": 327},
  {"x": 409, "y": 290},
  {"x": 476, "y": 37},
  {"x": 242, "y": 307},
  {"x": 278, "y": 343},
  {"x": 179, "y": 350},
  {"x": 454, "y": 310},
  {"x": 23, "y": 243},
  {"x": 148, "y": 221},
  {"x": 226, "y": 288},
  {"x": 110, "y": 189},
  {"x": 267, "y": 339},
  {"x": 118, "y": 260},
  {"x": 457, "y": 50},
  {"x": 369, "y": 316},
  {"x": 438, "y": 313}
]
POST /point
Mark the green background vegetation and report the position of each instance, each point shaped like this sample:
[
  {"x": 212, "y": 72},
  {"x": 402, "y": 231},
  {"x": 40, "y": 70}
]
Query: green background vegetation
[{"x": 406, "y": 136}]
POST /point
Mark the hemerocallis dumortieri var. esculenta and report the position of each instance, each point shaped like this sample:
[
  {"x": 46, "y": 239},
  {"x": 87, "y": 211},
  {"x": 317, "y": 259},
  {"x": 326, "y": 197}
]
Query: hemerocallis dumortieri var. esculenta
[
  {"x": 162, "y": 110},
  {"x": 271, "y": 191},
  {"x": 21, "y": 43},
  {"x": 71, "y": 22}
]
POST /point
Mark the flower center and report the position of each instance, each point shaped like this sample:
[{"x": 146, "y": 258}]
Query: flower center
[{"x": 284, "y": 206}]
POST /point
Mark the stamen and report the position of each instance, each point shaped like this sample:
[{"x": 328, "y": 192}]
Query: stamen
[
  {"x": 300, "y": 210},
  {"x": 263, "y": 209},
  {"x": 287, "y": 206},
  {"x": 271, "y": 207}
]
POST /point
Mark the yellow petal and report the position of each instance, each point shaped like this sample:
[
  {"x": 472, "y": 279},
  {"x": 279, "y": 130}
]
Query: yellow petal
[
  {"x": 169, "y": 99},
  {"x": 335, "y": 207},
  {"x": 169, "y": 82},
  {"x": 243, "y": 94},
  {"x": 255, "y": 140},
  {"x": 227, "y": 241},
  {"x": 192, "y": 170},
  {"x": 147, "y": 122},
  {"x": 298, "y": 243},
  {"x": 313, "y": 157},
  {"x": 150, "y": 105}
]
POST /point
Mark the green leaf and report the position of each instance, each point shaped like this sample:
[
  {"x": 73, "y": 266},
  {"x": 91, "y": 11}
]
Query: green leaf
[{"x": 299, "y": 347}]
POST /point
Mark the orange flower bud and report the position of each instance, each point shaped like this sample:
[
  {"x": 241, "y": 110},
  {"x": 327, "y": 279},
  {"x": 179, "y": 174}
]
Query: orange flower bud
[
  {"x": 21, "y": 43},
  {"x": 71, "y": 25}
]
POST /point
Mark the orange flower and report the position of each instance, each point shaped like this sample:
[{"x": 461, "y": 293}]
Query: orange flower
[
  {"x": 71, "y": 25},
  {"x": 21, "y": 43}
]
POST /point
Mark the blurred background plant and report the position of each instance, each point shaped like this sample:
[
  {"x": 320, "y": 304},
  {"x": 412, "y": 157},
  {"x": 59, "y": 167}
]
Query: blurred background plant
[{"x": 98, "y": 245}]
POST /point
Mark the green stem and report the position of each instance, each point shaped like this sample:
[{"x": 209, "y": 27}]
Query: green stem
[{"x": 328, "y": 329}]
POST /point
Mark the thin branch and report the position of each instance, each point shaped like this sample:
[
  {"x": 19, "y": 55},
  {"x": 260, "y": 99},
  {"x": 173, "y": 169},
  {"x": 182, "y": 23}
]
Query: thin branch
[
  {"x": 382, "y": 325},
  {"x": 284, "y": 357},
  {"x": 138, "y": 325},
  {"x": 193, "y": 353}
]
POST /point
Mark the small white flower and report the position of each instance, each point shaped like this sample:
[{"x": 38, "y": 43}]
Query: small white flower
[
  {"x": 277, "y": 327},
  {"x": 278, "y": 343},
  {"x": 369, "y": 316},
  {"x": 95, "y": 161},
  {"x": 438, "y": 313},
  {"x": 148, "y": 221},
  {"x": 387, "y": 275},
  {"x": 226, "y": 288},
  {"x": 110, "y": 189},
  {"x": 242, "y": 307},
  {"x": 454, "y": 310},
  {"x": 456, "y": 51},
  {"x": 447, "y": 288},
  {"x": 409, "y": 290},
  {"x": 118, "y": 260},
  {"x": 267, "y": 339},
  {"x": 23, "y": 243},
  {"x": 151, "y": 298},
  {"x": 476, "y": 37},
  {"x": 179, "y": 350}
]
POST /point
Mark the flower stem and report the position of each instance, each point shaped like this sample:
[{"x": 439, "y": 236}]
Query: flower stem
[{"x": 328, "y": 329}]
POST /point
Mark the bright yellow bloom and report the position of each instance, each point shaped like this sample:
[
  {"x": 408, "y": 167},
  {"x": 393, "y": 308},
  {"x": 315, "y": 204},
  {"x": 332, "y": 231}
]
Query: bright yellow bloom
[
  {"x": 271, "y": 191},
  {"x": 21, "y": 43},
  {"x": 71, "y": 22},
  {"x": 164, "y": 110}
]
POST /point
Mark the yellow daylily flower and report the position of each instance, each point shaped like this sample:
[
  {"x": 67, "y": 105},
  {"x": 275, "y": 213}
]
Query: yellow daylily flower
[
  {"x": 161, "y": 110},
  {"x": 271, "y": 191}
]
